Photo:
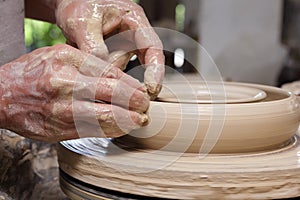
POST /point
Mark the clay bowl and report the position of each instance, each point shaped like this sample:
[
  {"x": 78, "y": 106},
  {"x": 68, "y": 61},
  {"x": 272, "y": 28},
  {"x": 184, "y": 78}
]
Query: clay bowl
[{"x": 237, "y": 124}]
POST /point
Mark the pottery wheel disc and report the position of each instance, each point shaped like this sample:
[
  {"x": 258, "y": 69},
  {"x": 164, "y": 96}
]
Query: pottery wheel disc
[{"x": 98, "y": 162}]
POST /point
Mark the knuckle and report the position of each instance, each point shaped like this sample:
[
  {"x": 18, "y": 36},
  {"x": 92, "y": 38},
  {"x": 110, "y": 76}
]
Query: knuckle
[
  {"x": 72, "y": 23},
  {"x": 62, "y": 111},
  {"x": 63, "y": 51}
]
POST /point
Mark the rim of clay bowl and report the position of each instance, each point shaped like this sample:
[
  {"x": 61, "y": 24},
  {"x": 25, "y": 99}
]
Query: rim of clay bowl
[
  {"x": 285, "y": 101},
  {"x": 209, "y": 93}
]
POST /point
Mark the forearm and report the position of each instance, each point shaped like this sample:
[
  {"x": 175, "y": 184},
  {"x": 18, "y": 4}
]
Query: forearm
[{"x": 41, "y": 10}]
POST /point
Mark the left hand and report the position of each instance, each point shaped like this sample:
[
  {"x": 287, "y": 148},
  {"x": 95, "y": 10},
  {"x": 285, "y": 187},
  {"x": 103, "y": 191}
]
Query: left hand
[
  {"x": 86, "y": 23},
  {"x": 47, "y": 93}
]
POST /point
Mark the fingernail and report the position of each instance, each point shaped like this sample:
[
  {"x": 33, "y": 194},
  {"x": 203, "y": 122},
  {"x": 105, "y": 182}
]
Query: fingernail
[
  {"x": 144, "y": 119},
  {"x": 153, "y": 90}
]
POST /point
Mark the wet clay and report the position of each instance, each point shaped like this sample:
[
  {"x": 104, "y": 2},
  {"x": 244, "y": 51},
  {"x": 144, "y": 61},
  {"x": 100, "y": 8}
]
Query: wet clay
[
  {"x": 246, "y": 163},
  {"x": 241, "y": 127}
]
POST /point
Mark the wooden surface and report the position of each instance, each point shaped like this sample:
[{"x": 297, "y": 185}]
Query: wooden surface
[{"x": 28, "y": 169}]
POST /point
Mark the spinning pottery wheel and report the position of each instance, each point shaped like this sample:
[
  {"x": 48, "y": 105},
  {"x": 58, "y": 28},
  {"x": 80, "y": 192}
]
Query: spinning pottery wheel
[{"x": 198, "y": 145}]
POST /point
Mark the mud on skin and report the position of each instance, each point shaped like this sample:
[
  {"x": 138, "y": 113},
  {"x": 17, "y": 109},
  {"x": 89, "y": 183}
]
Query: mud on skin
[
  {"x": 41, "y": 91},
  {"x": 86, "y": 23}
]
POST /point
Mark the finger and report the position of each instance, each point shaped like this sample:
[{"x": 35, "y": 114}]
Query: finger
[
  {"x": 90, "y": 65},
  {"x": 91, "y": 68},
  {"x": 150, "y": 52},
  {"x": 152, "y": 57},
  {"x": 89, "y": 37},
  {"x": 114, "y": 121},
  {"x": 111, "y": 20},
  {"x": 81, "y": 23},
  {"x": 91, "y": 40},
  {"x": 121, "y": 41},
  {"x": 155, "y": 70},
  {"x": 86, "y": 129},
  {"x": 111, "y": 90},
  {"x": 120, "y": 59},
  {"x": 116, "y": 73}
]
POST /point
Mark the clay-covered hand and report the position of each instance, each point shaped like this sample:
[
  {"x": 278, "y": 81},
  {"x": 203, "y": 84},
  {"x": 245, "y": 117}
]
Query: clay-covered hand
[
  {"x": 86, "y": 23},
  {"x": 58, "y": 93}
]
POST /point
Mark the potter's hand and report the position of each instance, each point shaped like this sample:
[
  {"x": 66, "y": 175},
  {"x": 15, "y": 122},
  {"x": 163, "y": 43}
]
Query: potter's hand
[
  {"x": 86, "y": 22},
  {"x": 45, "y": 92}
]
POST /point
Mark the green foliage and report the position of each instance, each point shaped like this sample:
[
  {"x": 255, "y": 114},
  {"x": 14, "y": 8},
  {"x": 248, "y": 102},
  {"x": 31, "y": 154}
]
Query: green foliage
[{"x": 39, "y": 34}]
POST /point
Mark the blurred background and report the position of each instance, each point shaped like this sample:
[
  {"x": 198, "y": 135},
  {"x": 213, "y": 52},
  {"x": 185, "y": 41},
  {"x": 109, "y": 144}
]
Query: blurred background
[{"x": 250, "y": 40}]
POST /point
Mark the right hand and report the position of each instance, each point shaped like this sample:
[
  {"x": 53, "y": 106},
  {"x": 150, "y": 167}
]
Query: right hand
[
  {"x": 86, "y": 24},
  {"x": 44, "y": 93}
]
